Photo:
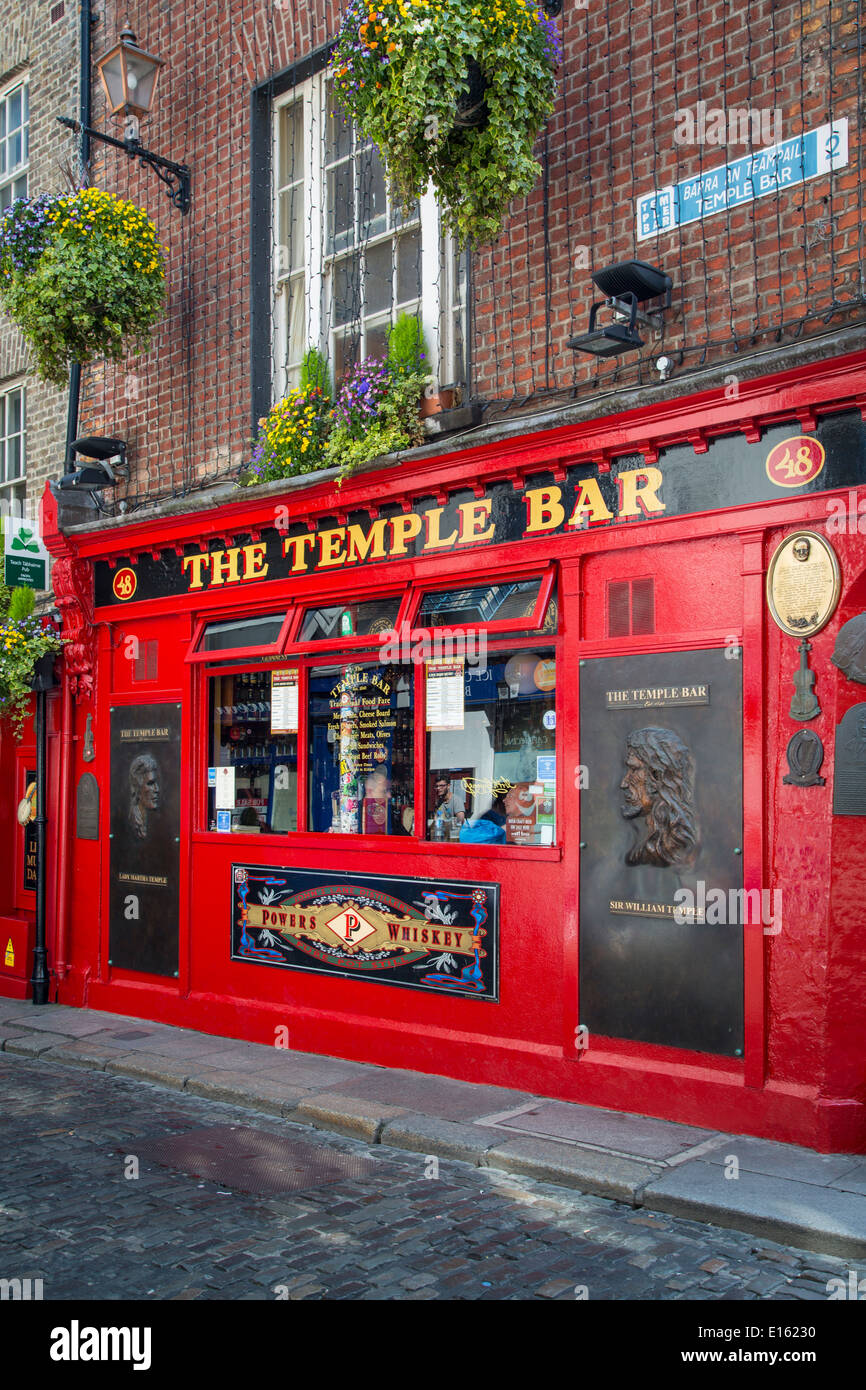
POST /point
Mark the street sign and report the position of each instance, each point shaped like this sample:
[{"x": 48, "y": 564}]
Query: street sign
[{"x": 760, "y": 172}]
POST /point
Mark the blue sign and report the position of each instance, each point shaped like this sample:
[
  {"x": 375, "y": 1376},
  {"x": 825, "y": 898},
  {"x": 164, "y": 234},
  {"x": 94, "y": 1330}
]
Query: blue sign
[
  {"x": 546, "y": 767},
  {"x": 224, "y": 820},
  {"x": 211, "y": 776},
  {"x": 757, "y": 174}
]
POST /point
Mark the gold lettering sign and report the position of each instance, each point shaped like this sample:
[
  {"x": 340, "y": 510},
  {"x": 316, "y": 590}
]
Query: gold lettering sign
[{"x": 803, "y": 583}]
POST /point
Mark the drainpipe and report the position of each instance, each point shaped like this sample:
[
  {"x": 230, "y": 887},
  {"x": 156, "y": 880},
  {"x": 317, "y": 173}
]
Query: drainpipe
[{"x": 66, "y": 750}]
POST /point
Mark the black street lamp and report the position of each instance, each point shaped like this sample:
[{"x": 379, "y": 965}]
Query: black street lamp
[{"x": 129, "y": 78}]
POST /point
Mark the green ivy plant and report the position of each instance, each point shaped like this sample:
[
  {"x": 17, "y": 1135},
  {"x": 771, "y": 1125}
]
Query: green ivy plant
[
  {"x": 402, "y": 69},
  {"x": 23, "y": 641},
  {"x": 83, "y": 277}
]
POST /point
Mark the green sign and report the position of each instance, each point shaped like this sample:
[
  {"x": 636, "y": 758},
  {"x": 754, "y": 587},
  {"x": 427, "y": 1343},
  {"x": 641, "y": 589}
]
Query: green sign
[{"x": 25, "y": 571}]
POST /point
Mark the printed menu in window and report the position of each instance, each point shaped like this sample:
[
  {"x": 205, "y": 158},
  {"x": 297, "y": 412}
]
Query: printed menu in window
[
  {"x": 284, "y": 701},
  {"x": 445, "y": 692}
]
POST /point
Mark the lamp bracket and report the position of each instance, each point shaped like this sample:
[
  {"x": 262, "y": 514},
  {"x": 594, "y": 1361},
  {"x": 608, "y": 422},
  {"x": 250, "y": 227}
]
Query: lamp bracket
[
  {"x": 175, "y": 176},
  {"x": 626, "y": 311}
]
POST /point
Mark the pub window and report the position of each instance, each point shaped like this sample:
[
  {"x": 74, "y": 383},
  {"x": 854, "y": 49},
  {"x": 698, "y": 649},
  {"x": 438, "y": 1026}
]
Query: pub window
[
  {"x": 483, "y": 603},
  {"x": 253, "y": 762},
  {"x": 261, "y": 634},
  {"x": 350, "y": 619},
  {"x": 491, "y": 766},
  {"x": 361, "y": 749}
]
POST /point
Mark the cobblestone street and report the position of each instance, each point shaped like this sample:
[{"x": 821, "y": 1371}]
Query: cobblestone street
[{"x": 70, "y": 1216}]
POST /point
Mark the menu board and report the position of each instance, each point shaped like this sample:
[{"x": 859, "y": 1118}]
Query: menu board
[
  {"x": 284, "y": 701},
  {"x": 362, "y": 720},
  {"x": 445, "y": 695}
]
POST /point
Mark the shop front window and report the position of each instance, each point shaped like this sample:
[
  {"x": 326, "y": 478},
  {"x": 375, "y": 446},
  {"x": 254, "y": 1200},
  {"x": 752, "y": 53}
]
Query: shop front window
[
  {"x": 361, "y": 749},
  {"x": 350, "y": 619},
  {"x": 253, "y": 763},
  {"x": 491, "y": 775}
]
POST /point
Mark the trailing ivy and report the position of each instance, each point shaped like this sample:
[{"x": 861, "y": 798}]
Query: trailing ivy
[{"x": 402, "y": 68}]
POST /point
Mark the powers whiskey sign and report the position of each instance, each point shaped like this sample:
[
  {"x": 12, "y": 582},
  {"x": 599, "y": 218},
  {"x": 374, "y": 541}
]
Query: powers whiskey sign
[{"x": 439, "y": 937}]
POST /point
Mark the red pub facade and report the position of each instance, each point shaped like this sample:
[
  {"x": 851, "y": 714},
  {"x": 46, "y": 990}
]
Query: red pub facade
[{"x": 522, "y": 757}]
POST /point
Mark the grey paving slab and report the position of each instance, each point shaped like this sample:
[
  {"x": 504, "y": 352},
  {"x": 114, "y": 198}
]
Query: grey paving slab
[
  {"x": 605, "y": 1175},
  {"x": 854, "y": 1180},
  {"x": 82, "y": 1052},
  {"x": 363, "y": 1119},
  {"x": 67, "y": 1022},
  {"x": 33, "y": 1044},
  {"x": 426, "y": 1134},
  {"x": 609, "y": 1129},
  {"x": 782, "y": 1160},
  {"x": 165, "y": 1071},
  {"x": 259, "y": 1093},
  {"x": 804, "y": 1214},
  {"x": 314, "y": 1073},
  {"x": 434, "y": 1095}
]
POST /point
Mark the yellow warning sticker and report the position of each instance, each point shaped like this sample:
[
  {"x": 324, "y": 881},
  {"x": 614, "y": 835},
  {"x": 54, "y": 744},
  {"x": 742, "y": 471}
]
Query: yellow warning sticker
[{"x": 10, "y": 952}]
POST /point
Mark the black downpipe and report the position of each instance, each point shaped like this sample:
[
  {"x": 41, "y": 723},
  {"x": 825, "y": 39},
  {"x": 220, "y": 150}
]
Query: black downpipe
[
  {"x": 84, "y": 114},
  {"x": 39, "y": 979}
]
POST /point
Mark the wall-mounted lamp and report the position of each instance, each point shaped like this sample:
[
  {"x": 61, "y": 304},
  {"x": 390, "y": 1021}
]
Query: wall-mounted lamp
[
  {"x": 625, "y": 286},
  {"x": 129, "y": 78}
]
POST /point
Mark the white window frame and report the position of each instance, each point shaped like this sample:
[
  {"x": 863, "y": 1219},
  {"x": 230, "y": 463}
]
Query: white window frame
[
  {"x": 12, "y": 175},
  {"x": 437, "y": 307},
  {"x": 12, "y": 490}
]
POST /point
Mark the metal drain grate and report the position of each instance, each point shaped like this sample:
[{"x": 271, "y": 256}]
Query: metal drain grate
[{"x": 252, "y": 1160}]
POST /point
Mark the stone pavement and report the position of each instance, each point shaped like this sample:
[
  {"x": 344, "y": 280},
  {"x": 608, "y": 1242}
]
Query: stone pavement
[
  {"x": 87, "y": 1208},
  {"x": 776, "y": 1191}
]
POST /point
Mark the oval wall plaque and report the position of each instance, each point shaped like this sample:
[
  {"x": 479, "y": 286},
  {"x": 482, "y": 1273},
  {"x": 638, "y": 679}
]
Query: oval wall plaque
[{"x": 803, "y": 583}]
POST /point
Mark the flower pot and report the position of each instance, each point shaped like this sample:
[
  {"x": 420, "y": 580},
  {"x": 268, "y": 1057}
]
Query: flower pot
[
  {"x": 472, "y": 111},
  {"x": 434, "y": 405},
  {"x": 44, "y": 677}
]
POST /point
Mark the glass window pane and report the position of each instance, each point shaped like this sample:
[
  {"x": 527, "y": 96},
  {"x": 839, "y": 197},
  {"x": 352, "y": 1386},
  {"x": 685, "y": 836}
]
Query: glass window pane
[
  {"x": 13, "y": 458},
  {"x": 378, "y": 280},
  {"x": 376, "y": 340},
  {"x": 15, "y": 109},
  {"x": 494, "y": 780},
  {"x": 409, "y": 267},
  {"x": 264, "y": 797},
  {"x": 341, "y": 207},
  {"x": 347, "y": 347},
  {"x": 296, "y": 340},
  {"x": 350, "y": 619},
  {"x": 481, "y": 604},
  {"x": 339, "y": 133},
  {"x": 347, "y": 290},
  {"x": 2, "y": 120},
  {"x": 361, "y": 749},
  {"x": 371, "y": 192},
  {"x": 290, "y": 251},
  {"x": 14, "y": 145},
  {"x": 241, "y": 632},
  {"x": 19, "y": 188},
  {"x": 13, "y": 407},
  {"x": 291, "y": 165}
]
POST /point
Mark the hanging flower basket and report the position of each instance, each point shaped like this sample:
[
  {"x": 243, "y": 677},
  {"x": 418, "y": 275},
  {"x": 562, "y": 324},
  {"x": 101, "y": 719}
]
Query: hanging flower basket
[
  {"x": 454, "y": 92},
  {"x": 83, "y": 277},
  {"x": 27, "y": 651}
]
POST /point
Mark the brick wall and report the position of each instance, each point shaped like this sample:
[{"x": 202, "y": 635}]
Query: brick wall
[
  {"x": 47, "y": 50},
  {"x": 749, "y": 280}
]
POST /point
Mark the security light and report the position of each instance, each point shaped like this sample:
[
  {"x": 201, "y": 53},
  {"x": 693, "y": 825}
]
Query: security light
[
  {"x": 97, "y": 472},
  {"x": 625, "y": 286}
]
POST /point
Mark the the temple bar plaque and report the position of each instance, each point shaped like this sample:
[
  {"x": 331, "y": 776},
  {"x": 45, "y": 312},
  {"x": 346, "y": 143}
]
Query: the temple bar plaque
[{"x": 657, "y": 697}]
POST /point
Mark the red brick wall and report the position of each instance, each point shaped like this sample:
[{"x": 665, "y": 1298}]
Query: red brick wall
[{"x": 747, "y": 279}]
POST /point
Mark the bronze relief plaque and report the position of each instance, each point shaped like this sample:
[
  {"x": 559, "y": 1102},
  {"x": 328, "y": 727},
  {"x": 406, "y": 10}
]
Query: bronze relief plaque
[
  {"x": 803, "y": 583},
  {"x": 661, "y": 910},
  {"x": 849, "y": 786},
  {"x": 87, "y": 808}
]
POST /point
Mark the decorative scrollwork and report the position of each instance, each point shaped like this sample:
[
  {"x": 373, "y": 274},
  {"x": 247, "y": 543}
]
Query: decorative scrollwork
[{"x": 73, "y": 594}]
